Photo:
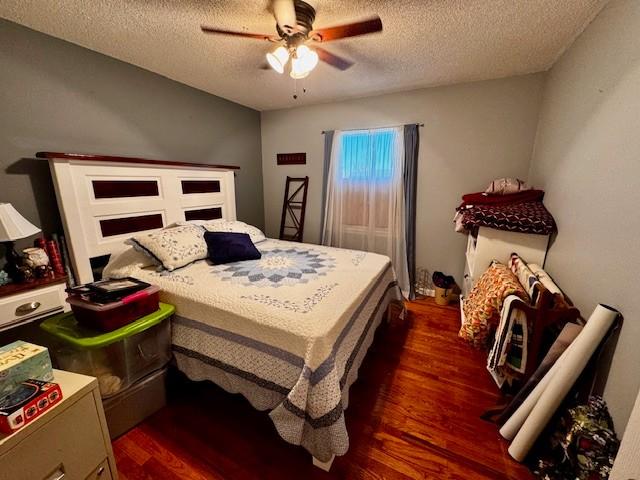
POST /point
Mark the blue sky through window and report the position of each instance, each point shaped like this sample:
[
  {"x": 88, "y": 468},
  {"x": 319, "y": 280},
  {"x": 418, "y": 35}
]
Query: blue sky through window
[{"x": 367, "y": 155}]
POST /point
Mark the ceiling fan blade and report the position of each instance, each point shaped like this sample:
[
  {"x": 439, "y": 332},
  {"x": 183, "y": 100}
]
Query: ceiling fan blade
[
  {"x": 265, "y": 66},
  {"x": 220, "y": 31},
  {"x": 364, "y": 27},
  {"x": 333, "y": 59}
]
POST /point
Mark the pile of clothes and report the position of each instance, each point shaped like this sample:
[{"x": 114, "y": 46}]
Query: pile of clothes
[{"x": 514, "y": 207}]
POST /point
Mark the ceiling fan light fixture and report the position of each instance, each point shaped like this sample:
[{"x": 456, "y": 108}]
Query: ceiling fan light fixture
[
  {"x": 303, "y": 62},
  {"x": 278, "y": 59},
  {"x": 297, "y": 73},
  {"x": 308, "y": 57}
]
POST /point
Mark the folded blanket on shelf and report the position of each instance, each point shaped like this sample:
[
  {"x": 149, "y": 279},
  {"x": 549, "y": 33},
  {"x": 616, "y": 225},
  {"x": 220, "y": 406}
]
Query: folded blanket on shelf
[
  {"x": 483, "y": 305},
  {"x": 481, "y": 198},
  {"x": 524, "y": 217}
]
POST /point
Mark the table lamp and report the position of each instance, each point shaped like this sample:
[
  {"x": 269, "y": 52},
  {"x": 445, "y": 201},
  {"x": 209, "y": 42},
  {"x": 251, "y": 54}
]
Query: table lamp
[{"x": 13, "y": 226}]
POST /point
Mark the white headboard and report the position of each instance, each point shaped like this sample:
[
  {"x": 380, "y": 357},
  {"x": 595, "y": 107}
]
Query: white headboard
[{"x": 105, "y": 200}]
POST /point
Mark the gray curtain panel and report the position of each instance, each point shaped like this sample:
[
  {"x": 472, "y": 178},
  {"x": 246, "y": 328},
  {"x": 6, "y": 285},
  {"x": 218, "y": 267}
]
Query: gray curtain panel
[
  {"x": 328, "y": 142},
  {"x": 411, "y": 145}
]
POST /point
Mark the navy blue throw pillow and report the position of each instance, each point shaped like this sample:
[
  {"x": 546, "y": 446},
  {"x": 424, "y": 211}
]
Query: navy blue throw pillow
[{"x": 227, "y": 247}]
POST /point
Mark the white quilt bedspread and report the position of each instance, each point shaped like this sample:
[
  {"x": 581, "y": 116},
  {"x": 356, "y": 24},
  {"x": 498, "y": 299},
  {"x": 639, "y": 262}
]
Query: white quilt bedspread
[{"x": 288, "y": 331}]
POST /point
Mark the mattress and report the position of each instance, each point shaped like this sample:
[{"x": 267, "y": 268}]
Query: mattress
[{"x": 288, "y": 331}]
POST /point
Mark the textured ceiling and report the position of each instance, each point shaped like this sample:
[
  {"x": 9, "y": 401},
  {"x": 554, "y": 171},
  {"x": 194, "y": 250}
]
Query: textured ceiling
[{"x": 424, "y": 42}]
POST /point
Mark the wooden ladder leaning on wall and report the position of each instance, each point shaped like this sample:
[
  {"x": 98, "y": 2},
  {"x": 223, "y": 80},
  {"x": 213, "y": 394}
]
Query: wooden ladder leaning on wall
[{"x": 293, "y": 209}]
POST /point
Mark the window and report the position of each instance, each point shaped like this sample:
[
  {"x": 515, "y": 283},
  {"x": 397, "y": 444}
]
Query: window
[
  {"x": 367, "y": 155},
  {"x": 365, "y": 202},
  {"x": 367, "y": 167}
]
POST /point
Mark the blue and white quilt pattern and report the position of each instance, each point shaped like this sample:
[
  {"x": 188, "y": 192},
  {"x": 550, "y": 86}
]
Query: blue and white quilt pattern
[{"x": 278, "y": 267}]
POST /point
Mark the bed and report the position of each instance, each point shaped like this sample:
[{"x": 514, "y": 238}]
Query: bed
[{"x": 288, "y": 331}]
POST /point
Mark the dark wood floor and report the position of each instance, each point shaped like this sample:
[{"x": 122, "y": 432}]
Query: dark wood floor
[{"x": 413, "y": 414}]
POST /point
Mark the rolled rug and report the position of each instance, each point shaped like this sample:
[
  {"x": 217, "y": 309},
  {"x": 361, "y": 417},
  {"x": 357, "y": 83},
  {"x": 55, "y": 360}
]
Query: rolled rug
[
  {"x": 566, "y": 337},
  {"x": 569, "y": 367},
  {"x": 512, "y": 426}
]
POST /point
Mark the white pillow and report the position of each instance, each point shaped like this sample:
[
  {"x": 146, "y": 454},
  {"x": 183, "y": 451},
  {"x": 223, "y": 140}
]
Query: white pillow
[
  {"x": 173, "y": 247},
  {"x": 234, "y": 226}
]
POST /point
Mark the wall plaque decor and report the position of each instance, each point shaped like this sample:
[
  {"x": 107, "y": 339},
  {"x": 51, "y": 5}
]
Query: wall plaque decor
[{"x": 292, "y": 158}]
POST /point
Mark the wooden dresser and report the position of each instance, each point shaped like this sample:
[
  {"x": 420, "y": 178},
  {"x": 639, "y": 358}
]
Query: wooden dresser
[
  {"x": 68, "y": 442},
  {"x": 21, "y": 303}
]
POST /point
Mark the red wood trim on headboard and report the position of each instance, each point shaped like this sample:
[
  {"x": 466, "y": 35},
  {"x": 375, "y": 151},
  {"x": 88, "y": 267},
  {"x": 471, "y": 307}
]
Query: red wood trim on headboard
[
  {"x": 124, "y": 188},
  {"x": 200, "y": 186},
  {"x": 122, "y": 225},
  {"x": 108, "y": 158},
  {"x": 203, "y": 214}
]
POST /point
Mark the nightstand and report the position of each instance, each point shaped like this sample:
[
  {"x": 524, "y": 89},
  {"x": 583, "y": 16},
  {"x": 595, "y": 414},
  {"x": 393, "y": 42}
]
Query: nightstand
[
  {"x": 22, "y": 303},
  {"x": 69, "y": 441}
]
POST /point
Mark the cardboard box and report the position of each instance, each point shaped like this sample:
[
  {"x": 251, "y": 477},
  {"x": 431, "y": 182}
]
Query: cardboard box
[
  {"x": 20, "y": 361},
  {"x": 27, "y": 402}
]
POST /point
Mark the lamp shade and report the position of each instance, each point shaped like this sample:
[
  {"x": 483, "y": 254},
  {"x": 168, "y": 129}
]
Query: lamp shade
[
  {"x": 304, "y": 61},
  {"x": 14, "y": 226},
  {"x": 278, "y": 59}
]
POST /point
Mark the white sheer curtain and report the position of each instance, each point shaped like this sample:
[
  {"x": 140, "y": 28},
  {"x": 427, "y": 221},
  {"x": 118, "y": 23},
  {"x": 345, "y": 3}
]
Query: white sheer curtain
[{"x": 365, "y": 206}]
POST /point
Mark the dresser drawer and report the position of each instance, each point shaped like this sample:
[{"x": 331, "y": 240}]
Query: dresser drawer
[
  {"x": 103, "y": 472},
  {"x": 71, "y": 443},
  {"x": 32, "y": 304}
]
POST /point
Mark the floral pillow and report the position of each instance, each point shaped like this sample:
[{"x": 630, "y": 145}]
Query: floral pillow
[
  {"x": 232, "y": 226},
  {"x": 173, "y": 247},
  {"x": 483, "y": 305}
]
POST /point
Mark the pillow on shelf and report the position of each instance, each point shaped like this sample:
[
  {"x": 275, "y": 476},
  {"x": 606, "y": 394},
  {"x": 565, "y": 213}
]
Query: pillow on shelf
[
  {"x": 173, "y": 247},
  {"x": 233, "y": 226},
  {"x": 505, "y": 186},
  {"x": 228, "y": 247}
]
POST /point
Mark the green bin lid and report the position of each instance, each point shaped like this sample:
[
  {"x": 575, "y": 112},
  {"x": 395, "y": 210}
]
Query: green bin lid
[{"x": 65, "y": 327}]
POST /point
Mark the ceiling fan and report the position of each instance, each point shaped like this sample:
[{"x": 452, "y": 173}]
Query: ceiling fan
[{"x": 294, "y": 27}]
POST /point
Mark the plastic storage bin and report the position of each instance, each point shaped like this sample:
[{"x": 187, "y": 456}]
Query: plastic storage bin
[
  {"x": 111, "y": 316},
  {"x": 131, "y": 406},
  {"x": 118, "y": 358}
]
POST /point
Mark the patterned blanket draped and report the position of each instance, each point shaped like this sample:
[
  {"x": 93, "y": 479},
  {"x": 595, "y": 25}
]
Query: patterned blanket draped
[
  {"x": 483, "y": 305},
  {"x": 288, "y": 331}
]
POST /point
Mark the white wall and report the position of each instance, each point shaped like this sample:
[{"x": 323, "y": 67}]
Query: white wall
[
  {"x": 473, "y": 133},
  {"x": 587, "y": 158}
]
